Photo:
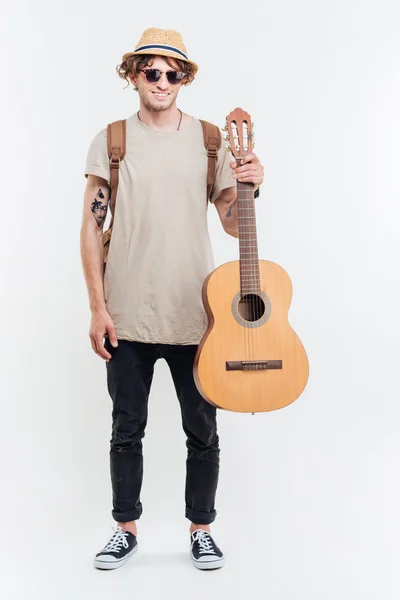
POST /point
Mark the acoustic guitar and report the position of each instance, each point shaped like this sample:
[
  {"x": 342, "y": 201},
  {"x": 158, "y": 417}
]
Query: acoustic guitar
[{"x": 249, "y": 359}]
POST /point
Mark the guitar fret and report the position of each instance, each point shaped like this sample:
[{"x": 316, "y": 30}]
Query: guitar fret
[{"x": 249, "y": 266}]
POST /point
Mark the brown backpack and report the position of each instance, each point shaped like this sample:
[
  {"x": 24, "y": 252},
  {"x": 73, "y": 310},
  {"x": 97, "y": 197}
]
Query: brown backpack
[{"x": 116, "y": 146}]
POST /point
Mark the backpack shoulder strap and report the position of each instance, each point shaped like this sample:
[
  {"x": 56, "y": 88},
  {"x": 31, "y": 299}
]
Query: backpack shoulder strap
[
  {"x": 116, "y": 147},
  {"x": 212, "y": 143}
]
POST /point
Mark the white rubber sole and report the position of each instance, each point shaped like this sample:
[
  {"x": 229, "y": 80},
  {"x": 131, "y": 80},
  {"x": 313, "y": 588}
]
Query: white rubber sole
[
  {"x": 106, "y": 565},
  {"x": 208, "y": 565}
]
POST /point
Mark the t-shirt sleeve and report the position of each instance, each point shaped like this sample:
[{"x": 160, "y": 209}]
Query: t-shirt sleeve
[
  {"x": 223, "y": 177},
  {"x": 97, "y": 161}
]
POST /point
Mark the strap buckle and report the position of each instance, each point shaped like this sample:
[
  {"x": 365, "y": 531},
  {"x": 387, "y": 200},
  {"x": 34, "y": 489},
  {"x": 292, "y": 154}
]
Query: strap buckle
[
  {"x": 114, "y": 164},
  {"x": 212, "y": 147}
]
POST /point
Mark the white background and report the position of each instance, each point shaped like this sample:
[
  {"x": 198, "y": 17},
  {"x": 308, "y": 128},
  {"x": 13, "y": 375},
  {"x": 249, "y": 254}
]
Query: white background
[{"x": 308, "y": 496}]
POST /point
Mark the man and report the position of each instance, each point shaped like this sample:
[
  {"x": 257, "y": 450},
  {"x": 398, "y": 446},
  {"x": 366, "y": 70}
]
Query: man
[{"x": 148, "y": 303}]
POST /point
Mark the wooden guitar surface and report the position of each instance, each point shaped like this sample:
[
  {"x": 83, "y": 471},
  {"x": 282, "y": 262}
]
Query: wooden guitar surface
[{"x": 271, "y": 338}]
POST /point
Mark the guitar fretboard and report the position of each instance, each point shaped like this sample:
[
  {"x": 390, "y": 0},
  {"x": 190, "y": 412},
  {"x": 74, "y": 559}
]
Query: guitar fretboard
[{"x": 248, "y": 249}]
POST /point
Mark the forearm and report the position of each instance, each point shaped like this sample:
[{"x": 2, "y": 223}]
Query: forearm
[
  {"x": 230, "y": 222},
  {"x": 92, "y": 255},
  {"x": 95, "y": 206},
  {"x": 230, "y": 219}
]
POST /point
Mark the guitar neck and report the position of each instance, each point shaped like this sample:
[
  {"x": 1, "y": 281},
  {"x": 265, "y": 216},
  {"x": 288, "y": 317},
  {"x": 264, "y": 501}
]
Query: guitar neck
[{"x": 248, "y": 249}]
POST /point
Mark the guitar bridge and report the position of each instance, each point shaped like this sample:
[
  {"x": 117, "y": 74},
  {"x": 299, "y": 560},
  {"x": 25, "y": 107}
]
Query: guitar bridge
[{"x": 252, "y": 365}]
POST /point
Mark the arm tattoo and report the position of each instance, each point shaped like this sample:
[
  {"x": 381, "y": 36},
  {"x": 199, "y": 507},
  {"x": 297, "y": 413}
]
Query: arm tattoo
[
  {"x": 229, "y": 213},
  {"x": 99, "y": 209}
]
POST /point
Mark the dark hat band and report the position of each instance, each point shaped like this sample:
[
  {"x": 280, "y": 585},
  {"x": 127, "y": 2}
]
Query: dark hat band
[{"x": 161, "y": 47}]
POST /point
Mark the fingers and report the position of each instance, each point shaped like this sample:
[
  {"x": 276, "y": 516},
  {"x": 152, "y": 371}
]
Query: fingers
[
  {"x": 249, "y": 158},
  {"x": 250, "y": 173},
  {"x": 253, "y": 158},
  {"x": 112, "y": 336},
  {"x": 250, "y": 167},
  {"x": 247, "y": 170},
  {"x": 255, "y": 181},
  {"x": 93, "y": 345},
  {"x": 101, "y": 326},
  {"x": 98, "y": 347}
]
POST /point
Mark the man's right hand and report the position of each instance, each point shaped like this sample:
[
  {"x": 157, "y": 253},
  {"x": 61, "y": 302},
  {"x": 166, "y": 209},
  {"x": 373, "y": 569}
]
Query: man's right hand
[{"x": 100, "y": 325}]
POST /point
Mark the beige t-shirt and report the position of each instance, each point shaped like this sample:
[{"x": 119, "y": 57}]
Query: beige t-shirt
[{"x": 160, "y": 251}]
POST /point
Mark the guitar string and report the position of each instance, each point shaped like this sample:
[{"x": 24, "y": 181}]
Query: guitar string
[
  {"x": 246, "y": 273},
  {"x": 242, "y": 301},
  {"x": 239, "y": 205},
  {"x": 250, "y": 268},
  {"x": 250, "y": 276}
]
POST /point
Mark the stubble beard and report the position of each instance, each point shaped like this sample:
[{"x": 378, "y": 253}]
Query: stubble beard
[{"x": 156, "y": 107}]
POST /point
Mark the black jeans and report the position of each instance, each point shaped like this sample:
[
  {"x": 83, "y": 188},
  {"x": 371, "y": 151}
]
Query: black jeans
[{"x": 129, "y": 377}]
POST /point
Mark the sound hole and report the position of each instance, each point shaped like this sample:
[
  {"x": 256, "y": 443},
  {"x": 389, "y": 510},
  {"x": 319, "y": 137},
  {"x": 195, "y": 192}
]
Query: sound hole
[{"x": 251, "y": 307}]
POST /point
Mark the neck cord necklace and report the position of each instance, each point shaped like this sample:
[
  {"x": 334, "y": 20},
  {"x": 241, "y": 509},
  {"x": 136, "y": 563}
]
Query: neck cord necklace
[{"x": 180, "y": 120}]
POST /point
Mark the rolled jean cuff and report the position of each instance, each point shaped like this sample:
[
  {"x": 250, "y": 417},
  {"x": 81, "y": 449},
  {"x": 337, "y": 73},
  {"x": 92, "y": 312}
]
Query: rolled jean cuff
[
  {"x": 200, "y": 517},
  {"x": 124, "y": 517}
]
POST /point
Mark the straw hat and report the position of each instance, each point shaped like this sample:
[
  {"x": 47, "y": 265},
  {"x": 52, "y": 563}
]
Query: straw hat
[{"x": 162, "y": 42}]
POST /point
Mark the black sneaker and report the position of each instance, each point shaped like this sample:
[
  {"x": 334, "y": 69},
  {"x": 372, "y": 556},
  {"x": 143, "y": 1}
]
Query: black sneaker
[
  {"x": 115, "y": 553},
  {"x": 204, "y": 551}
]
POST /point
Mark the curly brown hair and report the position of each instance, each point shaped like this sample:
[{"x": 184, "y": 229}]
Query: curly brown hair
[{"x": 135, "y": 63}]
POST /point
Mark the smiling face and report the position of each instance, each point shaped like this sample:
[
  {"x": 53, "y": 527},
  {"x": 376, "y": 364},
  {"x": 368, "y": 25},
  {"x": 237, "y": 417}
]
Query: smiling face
[{"x": 161, "y": 95}]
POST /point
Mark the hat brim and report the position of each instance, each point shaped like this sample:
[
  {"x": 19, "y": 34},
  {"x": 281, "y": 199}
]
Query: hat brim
[{"x": 161, "y": 52}]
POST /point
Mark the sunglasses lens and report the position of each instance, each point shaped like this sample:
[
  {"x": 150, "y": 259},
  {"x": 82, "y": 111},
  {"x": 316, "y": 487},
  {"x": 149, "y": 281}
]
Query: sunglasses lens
[
  {"x": 152, "y": 75},
  {"x": 174, "y": 76}
]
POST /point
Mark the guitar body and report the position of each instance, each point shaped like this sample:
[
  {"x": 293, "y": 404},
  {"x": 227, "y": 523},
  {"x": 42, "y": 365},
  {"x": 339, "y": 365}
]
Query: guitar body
[{"x": 249, "y": 365}]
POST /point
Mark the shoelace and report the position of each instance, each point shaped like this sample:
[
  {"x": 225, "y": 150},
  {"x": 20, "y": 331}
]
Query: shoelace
[
  {"x": 204, "y": 539},
  {"x": 117, "y": 540}
]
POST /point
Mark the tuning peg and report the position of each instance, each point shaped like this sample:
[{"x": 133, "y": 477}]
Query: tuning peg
[
  {"x": 229, "y": 147},
  {"x": 225, "y": 128},
  {"x": 227, "y": 138}
]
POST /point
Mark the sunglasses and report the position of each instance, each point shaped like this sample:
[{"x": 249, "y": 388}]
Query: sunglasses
[{"x": 154, "y": 75}]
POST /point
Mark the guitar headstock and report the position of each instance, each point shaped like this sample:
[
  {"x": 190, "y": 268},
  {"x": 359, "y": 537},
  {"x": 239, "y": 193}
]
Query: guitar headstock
[{"x": 239, "y": 133}]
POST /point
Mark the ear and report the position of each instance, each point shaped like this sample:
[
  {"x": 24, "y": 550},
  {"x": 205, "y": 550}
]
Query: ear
[{"x": 133, "y": 80}]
